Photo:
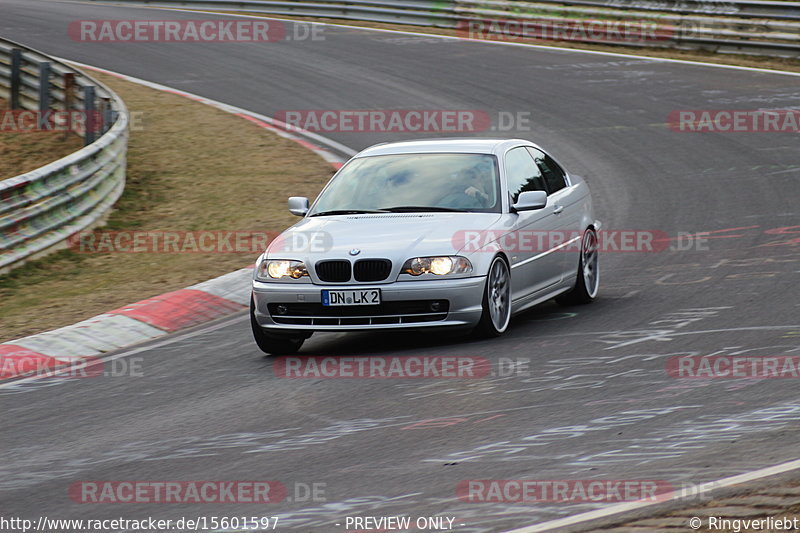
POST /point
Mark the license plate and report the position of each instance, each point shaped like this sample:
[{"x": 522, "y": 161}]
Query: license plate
[{"x": 358, "y": 297}]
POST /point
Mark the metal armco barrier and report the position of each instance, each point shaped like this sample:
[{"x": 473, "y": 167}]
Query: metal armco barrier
[
  {"x": 41, "y": 209},
  {"x": 757, "y": 27}
]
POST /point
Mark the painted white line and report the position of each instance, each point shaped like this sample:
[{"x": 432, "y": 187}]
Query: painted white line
[
  {"x": 455, "y": 38},
  {"x": 672, "y": 496}
]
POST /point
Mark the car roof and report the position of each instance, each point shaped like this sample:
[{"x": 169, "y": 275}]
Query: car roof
[{"x": 450, "y": 145}]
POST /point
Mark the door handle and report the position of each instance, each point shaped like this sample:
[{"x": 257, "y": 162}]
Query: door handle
[{"x": 558, "y": 209}]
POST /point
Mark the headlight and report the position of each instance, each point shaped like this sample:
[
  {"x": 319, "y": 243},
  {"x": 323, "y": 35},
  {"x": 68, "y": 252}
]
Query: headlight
[
  {"x": 268, "y": 270},
  {"x": 440, "y": 265}
]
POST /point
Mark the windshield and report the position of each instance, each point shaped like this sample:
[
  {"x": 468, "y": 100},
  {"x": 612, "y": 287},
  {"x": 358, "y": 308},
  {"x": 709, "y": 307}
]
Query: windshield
[{"x": 413, "y": 182}]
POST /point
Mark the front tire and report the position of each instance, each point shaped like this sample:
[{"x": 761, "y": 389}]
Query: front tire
[
  {"x": 587, "y": 282},
  {"x": 273, "y": 344},
  {"x": 496, "y": 300}
]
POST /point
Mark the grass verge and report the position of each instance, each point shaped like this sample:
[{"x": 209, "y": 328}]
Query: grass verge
[
  {"x": 21, "y": 152},
  {"x": 191, "y": 167}
]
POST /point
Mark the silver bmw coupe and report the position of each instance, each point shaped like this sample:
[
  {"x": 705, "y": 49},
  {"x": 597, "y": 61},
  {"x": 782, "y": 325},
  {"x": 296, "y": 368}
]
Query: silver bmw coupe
[{"x": 429, "y": 233}]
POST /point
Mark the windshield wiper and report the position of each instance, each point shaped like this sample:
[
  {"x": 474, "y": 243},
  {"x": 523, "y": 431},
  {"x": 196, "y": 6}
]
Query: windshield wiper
[
  {"x": 421, "y": 208},
  {"x": 347, "y": 212}
]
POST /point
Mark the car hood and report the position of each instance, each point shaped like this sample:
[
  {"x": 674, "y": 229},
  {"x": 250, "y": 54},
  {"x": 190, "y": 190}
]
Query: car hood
[{"x": 395, "y": 236}]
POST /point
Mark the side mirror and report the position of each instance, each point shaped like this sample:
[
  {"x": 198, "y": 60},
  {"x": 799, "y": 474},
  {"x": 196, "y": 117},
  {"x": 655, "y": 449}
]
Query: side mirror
[
  {"x": 530, "y": 200},
  {"x": 298, "y": 205}
]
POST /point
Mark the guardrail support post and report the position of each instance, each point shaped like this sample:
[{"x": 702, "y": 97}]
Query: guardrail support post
[
  {"x": 108, "y": 115},
  {"x": 69, "y": 100},
  {"x": 89, "y": 111},
  {"x": 44, "y": 95},
  {"x": 16, "y": 76}
]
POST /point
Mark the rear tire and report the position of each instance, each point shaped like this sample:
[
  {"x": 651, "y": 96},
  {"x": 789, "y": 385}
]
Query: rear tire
[
  {"x": 587, "y": 282},
  {"x": 273, "y": 344},
  {"x": 496, "y": 301}
]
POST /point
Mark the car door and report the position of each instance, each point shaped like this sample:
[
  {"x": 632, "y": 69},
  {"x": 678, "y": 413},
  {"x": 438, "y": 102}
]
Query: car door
[
  {"x": 563, "y": 202},
  {"x": 534, "y": 266}
]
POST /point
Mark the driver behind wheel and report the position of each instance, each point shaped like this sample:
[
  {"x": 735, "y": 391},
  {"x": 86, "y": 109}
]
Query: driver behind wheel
[
  {"x": 472, "y": 190},
  {"x": 476, "y": 187}
]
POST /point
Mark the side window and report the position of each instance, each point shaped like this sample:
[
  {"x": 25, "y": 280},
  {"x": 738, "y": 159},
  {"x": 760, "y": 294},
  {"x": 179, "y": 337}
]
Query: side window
[
  {"x": 522, "y": 174},
  {"x": 553, "y": 174}
]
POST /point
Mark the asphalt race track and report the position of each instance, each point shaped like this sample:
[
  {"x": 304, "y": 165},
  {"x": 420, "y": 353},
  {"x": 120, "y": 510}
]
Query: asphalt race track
[{"x": 595, "y": 401}]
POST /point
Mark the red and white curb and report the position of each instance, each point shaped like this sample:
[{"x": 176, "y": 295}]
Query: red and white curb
[
  {"x": 159, "y": 315},
  {"x": 127, "y": 325}
]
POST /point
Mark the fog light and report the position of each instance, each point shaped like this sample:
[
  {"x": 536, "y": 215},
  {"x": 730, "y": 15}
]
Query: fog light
[
  {"x": 281, "y": 309},
  {"x": 435, "y": 306}
]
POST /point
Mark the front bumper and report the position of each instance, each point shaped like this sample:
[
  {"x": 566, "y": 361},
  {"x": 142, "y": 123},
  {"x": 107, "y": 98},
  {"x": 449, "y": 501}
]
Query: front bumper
[{"x": 464, "y": 297}]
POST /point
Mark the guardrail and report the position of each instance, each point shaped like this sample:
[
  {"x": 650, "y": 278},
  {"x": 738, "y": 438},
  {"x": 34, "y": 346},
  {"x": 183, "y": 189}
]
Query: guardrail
[
  {"x": 740, "y": 8},
  {"x": 40, "y": 210},
  {"x": 757, "y": 27}
]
